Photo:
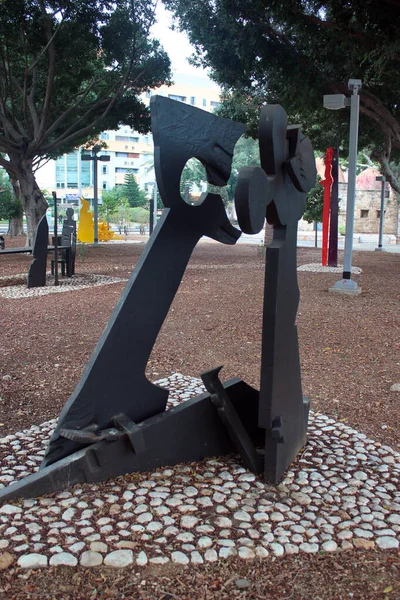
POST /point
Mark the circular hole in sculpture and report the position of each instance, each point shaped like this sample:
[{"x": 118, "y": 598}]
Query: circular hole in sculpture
[{"x": 193, "y": 182}]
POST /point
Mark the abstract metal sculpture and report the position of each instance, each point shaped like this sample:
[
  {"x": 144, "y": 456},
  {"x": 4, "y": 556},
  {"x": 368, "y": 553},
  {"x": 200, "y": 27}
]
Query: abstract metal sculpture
[
  {"x": 115, "y": 421},
  {"x": 277, "y": 191},
  {"x": 37, "y": 269}
]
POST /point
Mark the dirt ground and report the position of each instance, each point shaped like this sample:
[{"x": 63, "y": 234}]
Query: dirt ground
[{"x": 350, "y": 357}]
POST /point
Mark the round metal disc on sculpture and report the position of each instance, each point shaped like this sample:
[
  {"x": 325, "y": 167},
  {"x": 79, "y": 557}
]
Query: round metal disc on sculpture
[
  {"x": 301, "y": 167},
  {"x": 272, "y": 136},
  {"x": 251, "y": 199}
]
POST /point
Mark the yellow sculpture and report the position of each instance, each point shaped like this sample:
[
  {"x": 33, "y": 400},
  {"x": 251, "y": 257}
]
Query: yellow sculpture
[
  {"x": 86, "y": 225},
  {"x": 105, "y": 233}
]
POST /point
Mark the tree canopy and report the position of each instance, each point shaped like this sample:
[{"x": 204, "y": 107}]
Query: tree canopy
[
  {"x": 68, "y": 70},
  {"x": 294, "y": 52},
  {"x": 132, "y": 192}
]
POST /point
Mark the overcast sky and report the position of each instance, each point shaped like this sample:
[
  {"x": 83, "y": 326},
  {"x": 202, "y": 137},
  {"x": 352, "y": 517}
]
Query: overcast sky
[{"x": 176, "y": 44}]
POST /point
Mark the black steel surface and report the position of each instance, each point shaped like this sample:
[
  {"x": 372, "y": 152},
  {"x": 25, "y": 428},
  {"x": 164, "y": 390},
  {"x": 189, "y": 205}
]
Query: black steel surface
[
  {"x": 114, "y": 380},
  {"x": 37, "y": 269},
  {"x": 115, "y": 421}
]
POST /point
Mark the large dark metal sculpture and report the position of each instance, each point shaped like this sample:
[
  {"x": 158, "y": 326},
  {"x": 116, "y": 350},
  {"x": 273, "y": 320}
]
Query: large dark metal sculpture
[
  {"x": 37, "y": 268},
  {"x": 115, "y": 421}
]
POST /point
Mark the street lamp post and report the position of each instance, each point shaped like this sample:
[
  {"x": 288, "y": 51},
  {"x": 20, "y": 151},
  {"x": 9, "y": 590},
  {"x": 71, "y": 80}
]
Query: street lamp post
[
  {"x": 153, "y": 209},
  {"x": 382, "y": 179},
  {"x": 334, "y": 102},
  {"x": 95, "y": 159}
]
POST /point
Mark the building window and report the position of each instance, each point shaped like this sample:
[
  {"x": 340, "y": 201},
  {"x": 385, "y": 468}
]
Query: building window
[
  {"x": 104, "y": 185},
  {"x": 121, "y": 155},
  {"x": 104, "y": 170},
  {"x": 364, "y": 213},
  {"x": 204, "y": 102},
  {"x": 175, "y": 97},
  {"x": 387, "y": 192},
  {"x": 214, "y": 104},
  {"x": 126, "y": 138},
  {"x": 133, "y": 155},
  {"x": 192, "y": 100},
  {"x": 148, "y": 94},
  {"x": 125, "y": 170},
  {"x": 104, "y": 136}
]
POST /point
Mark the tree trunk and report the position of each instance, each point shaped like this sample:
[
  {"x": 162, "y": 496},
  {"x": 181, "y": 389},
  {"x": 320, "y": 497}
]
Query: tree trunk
[
  {"x": 16, "y": 227},
  {"x": 32, "y": 199}
]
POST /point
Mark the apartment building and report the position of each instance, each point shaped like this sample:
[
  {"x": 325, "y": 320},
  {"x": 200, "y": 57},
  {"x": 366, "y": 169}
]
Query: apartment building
[{"x": 129, "y": 151}]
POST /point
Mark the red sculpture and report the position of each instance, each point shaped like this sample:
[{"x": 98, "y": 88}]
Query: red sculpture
[{"x": 327, "y": 183}]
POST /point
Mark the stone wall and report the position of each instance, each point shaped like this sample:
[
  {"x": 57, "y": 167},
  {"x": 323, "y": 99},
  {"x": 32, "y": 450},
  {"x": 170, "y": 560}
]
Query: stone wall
[{"x": 367, "y": 211}]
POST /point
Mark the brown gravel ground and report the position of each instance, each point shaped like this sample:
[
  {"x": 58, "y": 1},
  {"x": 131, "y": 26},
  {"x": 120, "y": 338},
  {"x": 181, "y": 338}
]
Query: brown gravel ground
[{"x": 350, "y": 356}]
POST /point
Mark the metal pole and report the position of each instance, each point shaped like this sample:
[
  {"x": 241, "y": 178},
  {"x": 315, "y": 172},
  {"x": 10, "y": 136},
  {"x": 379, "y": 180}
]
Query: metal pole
[
  {"x": 351, "y": 184},
  {"x": 95, "y": 198},
  {"x": 155, "y": 205},
  {"x": 79, "y": 167},
  {"x": 151, "y": 223},
  {"x": 55, "y": 239},
  {"x": 382, "y": 215}
]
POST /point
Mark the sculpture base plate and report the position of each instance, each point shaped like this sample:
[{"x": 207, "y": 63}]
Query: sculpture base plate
[{"x": 346, "y": 286}]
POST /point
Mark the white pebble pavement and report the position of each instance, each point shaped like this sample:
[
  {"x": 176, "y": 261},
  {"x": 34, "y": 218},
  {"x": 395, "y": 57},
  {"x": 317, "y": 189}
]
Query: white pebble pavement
[
  {"x": 318, "y": 268},
  {"x": 342, "y": 492},
  {"x": 66, "y": 284}
]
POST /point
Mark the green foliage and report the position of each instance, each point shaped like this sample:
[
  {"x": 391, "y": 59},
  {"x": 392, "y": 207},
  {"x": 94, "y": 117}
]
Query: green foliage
[
  {"x": 246, "y": 153},
  {"x": 10, "y": 207},
  {"x": 193, "y": 175},
  {"x": 292, "y": 53},
  {"x": 122, "y": 213},
  {"x": 72, "y": 62},
  {"x": 341, "y": 229},
  {"x": 110, "y": 201},
  {"x": 314, "y": 203},
  {"x": 140, "y": 215},
  {"x": 70, "y": 69},
  {"x": 131, "y": 190}
]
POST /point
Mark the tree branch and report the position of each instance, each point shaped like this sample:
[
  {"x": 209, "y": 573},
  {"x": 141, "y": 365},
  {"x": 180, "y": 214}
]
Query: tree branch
[
  {"x": 31, "y": 103},
  {"x": 50, "y": 75},
  {"x": 333, "y": 25},
  {"x": 3, "y": 162},
  {"x": 69, "y": 110}
]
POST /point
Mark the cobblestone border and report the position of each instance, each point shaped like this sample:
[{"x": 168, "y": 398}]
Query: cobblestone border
[{"x": 342, "y": 492}]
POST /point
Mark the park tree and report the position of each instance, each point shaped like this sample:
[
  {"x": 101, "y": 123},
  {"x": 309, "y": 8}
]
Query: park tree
[
  {"x": 131, "y": 191},
  {"x": 294, "y": 52},
  {"x": 68, "y": 70},
  {"x": 10, "y": 205},
  {"x": 314, "y": 203},
  {"x": 142, "y": 216},
  {"x": 110, "y": 201}
]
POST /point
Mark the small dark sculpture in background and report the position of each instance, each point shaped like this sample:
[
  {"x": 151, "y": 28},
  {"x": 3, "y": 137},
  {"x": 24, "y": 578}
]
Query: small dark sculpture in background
[
  {"x": 68, "y": 245},
  {"x": 115, "y": 422}
]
